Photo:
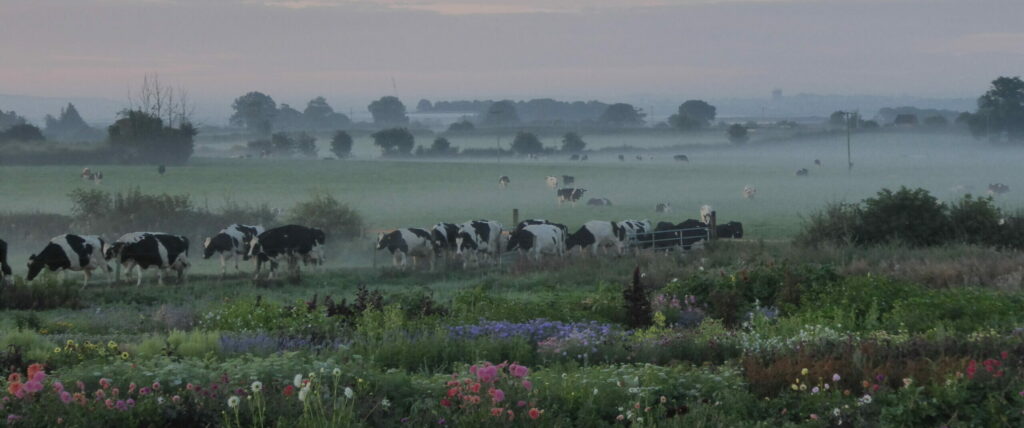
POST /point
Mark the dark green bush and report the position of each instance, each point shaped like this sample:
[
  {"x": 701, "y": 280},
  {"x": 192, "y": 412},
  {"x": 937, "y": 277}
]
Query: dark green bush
[
  {"x": 326, "y": 213},
  {"x": 911, "y": 217}
]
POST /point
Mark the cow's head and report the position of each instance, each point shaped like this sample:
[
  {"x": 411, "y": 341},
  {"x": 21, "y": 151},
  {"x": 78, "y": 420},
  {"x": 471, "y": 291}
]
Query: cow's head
[
  {"x": 35, "y": 265},
  {"x": 111, "y": 251},
  {"x": 516, "y": 239},
  {"x": 383, "y": 240},
  {"x": 571, "y": 241},
  {"x": 319, "y": 236},
  {"x": 254, "y": 247},
  {"x": 207, "y": 248}
]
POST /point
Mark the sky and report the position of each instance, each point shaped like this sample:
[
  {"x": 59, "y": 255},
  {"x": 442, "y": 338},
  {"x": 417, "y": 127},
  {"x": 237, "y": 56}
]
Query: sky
[{"x": 352, "y": 51}]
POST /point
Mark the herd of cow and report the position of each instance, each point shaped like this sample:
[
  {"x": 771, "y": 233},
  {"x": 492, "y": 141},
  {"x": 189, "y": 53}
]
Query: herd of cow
[
  {"x": 483, "y": 241},
  {"x": 142, "y": 250}
]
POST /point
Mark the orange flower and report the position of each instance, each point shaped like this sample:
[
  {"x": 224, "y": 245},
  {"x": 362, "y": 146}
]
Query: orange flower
[
  {"x": 534, "y": 413},
  {"x": 14, "y": 377},
  {"x": 496, "y": 411},
  {"x": 33, "y": 369},
  {"x": 13, "y": 387}
]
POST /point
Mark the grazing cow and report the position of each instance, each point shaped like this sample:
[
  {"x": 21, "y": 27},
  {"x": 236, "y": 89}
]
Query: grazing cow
[
  {"x": 537, "y": 239},
  {"x": 70, "y": 252},
  {"x": 817, "y": 163},
  {"x": 732, "y": 229},
  {"x": 584, "y": 158},
  {"x": 144, "y": 249},
  {"x": 595, "y": 234},
  {"x": 802, "y": 172},
  {"x": 503, "y": 181},
  {"x": 574, "y": 157},
  {"x": 231, "y": 243},
  {"x": 639, "y": 158},
  {"x": 570, "y": 194},
  {"x": 552, "y": 181},
  {"x": 998, "y": 189},
  {"x": 161, "y": 169},
  {"x": 706, "y": 211},
  {"x": 536, "y": 221},
  {"x": 681, "y": 158},
  {"x": 479, "y": 239},
  {"x": 749, "y": 192},
  {"x": 5, "y": 269},
  {"x": 667, "y": 236},
  {"x": 87, "y": 174},
  {"x": 291, "y": 242},
  {"x": 568, "y": 179},
  {"x": 599, "y": 202},
  {"x": 444, "y": 235},
  {"x": 408, "y": 242},
  {"x": 663, "y": 207},
  {"x": 631, "y": 229},
  {"x": 622, "y": 158}
]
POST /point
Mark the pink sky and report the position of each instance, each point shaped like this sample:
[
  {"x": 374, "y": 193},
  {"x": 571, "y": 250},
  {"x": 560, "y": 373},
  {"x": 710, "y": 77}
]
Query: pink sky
[{"x": 349, "y": 50}]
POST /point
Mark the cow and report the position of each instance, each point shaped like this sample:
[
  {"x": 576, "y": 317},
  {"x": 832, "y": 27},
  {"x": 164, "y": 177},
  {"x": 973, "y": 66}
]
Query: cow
[
  {"x": 706, "y": 212},
  {"x": 585, "y": 158},
  {"x": 666, "y": 236},
  {"x": 622, "y": 158},
  {"x": 5, "y": 269},
  {"x": 569, "y": 194},
  {"x": 536, "y": 221},
  {"x": 161, "y": 169},
  {"x": 408, "y": 242},
  {"x": 681, "y": 158},
  {"x": 663, "y": 207},
  {"x": 817, "y": 163},
  {"x": 599, "y": 202},
  {"x": 70, "y": 252},
  {"x": 231, "y": 243},
  {"x": 998, "y": 189},
  {"x": 443, "y": 235},
  {"x": 802, "y": 172},
  {"x": 692, "y": 232},
  {"x": 479, "y": 239},
  {"x": 574, "y": 157},
  {"x": 538, "y": 239},
  {"x": 596, "y": 234},
  {"x": 568, "y": 179},
  {"x": 144, "y": 249},
  {"x": 503, "y": 181},
  {"x": 639, "y": 158},
  {"x": 292, "y": 242},
  {"x": 749, "y": 192},
  {"x": 732, "y": 229},
  {"x": 552, "y": 181},
  {"x": 630, "y": 229}
]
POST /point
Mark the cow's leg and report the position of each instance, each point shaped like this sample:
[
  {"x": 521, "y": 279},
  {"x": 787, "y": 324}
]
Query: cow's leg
[
  {"x": 256, "y": 275},
  {"x": 224, "y": 265},
  {"x": 160, "y": 276},
  {"x": 88, "y": 273},
  {"x": 138, "y": 282}
]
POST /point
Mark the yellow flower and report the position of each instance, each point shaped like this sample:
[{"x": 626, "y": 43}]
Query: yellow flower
[
  {"x": 124, "y": 355},
  {"x": 804, "y": 372},
  {"x": 71, "y": 342},
  {"x": 794, "y": 387},
  {"x": 111, "y": 344},
  {"x": 803, "y": 387},
  {"x": 56, "y": 350}
]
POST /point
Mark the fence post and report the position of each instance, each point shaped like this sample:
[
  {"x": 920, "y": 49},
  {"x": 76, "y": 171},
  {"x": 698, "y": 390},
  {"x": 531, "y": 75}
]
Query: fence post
[
  {"x": 515, "y": 217},
  {"x": 713, "y": 226},
  {"x": 374, "y": 253}
]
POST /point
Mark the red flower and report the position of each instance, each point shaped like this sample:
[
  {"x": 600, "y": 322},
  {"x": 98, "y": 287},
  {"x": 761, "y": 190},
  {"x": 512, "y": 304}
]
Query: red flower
[
  {"x": 475, "y": 388},
  {"x": 14, "y": 377},
  {"x": 496, "y": 411},
  {"x": 445, "y": 402},
  {"x": 972, "y": 367},
  {"x": 14, "y": 387},
  {"x": 1004, "y": 355},
  {"x": 288, "y": 390},
  {"x": 534, "y": 413},
  {"x": 452, "y": 392}
]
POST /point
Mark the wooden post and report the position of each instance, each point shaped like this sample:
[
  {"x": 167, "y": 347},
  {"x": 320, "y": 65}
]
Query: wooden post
[
  {"x": 374, "y": 252},
  {"x": 712, "y": 227},
  {"x": 515, "y": 217}
]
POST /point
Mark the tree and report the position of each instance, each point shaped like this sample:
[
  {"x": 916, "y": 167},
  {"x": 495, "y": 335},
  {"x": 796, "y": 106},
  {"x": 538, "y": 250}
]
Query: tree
[
  {"x": 68, "y": 122},
  {"x": 905, "y": 119},
  {"x": 281, "y": 144},
  {"x": 394, "y": 141},
  {"x": 442, "y": 147},
  {"x": 622, "y": 114},
  {"x": 22, "y": 132},
  {"x": 837, "y": 119},
  {"x": 320, "y": 115},
  {"x": 341, "y": 144},
  {"x": 738, "y": 134},
  {"x": 288, "y": 118},
  {"x": 526, "y": 143},
  {"x": 1001, "y": 108},
  {"x": 501, "y": 113},
  {"x": 144, "y": 137},
  {"x": 388, "y": 111},
  {"x": 255, "y": 111},
  {"x": 461, "y": 126},
  {"x": 305, "y": 144},
  {"x": 936, "y": 121},
  {"x": 573, "y": 143},
  {"x": 10, "y": 119},
  {"x": 693, "y": 114},
  {"x": 424, "y": 106}
]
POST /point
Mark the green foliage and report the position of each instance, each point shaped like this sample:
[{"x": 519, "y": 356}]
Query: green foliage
[
  {"x": 975, "y": 220},
  {"x": 499, "y": 114},
  {"x": 326, "y": 213},
  {"x": 573, "y": 143},
  {"x": 143, "y": 137},
  {"x": 305, "y": 144},
  {"x": 341, "y": 144},
  {"x": 1001, "y": 108},
  {"x": 461, "y": 126},
  {"x": 526, "y": 143},
  {"x": 621, "y": 114},
  {"x": 255, "y": 111},
  {"x": 389, "y": 111},
  {"x": 32, "y": 345},
  {"x": 693, "y": 114},
  {"x": 41, "y": 295},
  {"x": 737, "y": 133},
  {"x": 912, "y": 217},
  {"x": 394, "y": 141},
  {"x": 21, "y": 133}
]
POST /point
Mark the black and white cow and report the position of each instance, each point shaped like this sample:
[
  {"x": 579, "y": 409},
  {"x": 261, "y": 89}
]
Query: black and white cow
[
  {"x": 663, "y": 207},
  {"x": 479, "y": 239},
  {"x": 70, "y": 252},
  {"x": 538, "y": 239},
  {"x": 599, "y": 202},
  {"x": 732, "y": 229},
  {"x": 706, "y": 212},
  {"x": 596, "y": 234},
  {"x": 570, "y": 194},
  {"x": 291, "y": 242},
  {"x": 408, "y": 242},
  {"x": 144, "y": 249},
  {"x": 681, "y": 158},
  {"x": 802, "y": 172},
  {"x": 444, "y": 235},
  {"x": 5, "y": 269},
  {"x": 231, "y": 243},
  {"x": 552, "y": 181},
  {"x": 629, "y": 229},
  {"x": 536, "y": 221},
  {"x": 503, "y": 181},
  {"x": 667, "y": 236}
]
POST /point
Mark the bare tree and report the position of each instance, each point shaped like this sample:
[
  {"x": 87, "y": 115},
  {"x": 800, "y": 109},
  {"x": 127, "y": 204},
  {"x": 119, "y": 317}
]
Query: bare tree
[{"x": 170, "y": 104}]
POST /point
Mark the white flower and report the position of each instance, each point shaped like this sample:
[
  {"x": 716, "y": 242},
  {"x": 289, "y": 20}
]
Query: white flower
[
  {"x": 385, "y": 403},
  {"x": 595, "y": 391},
  {"x": 257, "y": 386},
  {"x": 835, "y": 412},
  {"x": 303, "y": 393},
  {"x": 336, "y": 371},
  {"x": 159, "y": 400},
  {"x": 233, "y": 401},
  {"x": 298, "y": 381},
  {"x": 348, "y": 393}
]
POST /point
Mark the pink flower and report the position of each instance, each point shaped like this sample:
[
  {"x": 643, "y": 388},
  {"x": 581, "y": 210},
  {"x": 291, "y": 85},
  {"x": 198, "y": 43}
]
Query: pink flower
[
  {"x": 144, "y": 391},
  {"x": 115, "y": 392},
  {"x": 497, "y": 395},
  {"x": 528, "y": 385},
  {"x": 109, "y": 403},
  {"x": 105, "y": 383},
  {"x": 487, "y": 374},
  {"x": 100, "y": 394},
  {"x": 121, "y": 405},
  {"x": 518, "y": 370},
  {"x": 34, "y": 386},
  {"x": 814, "y": 416},
  {"x": 156, "y": 386},
  {"x": 80, "y": 385},
  {"x": 39, "y": 376},
  {"x": 522, "y": 403},
  {"x": 132, "y": 387},
  {"x": 534, "y": 413},
  {"x": 176, "y": 399},
  {"x": 130, "y": 402},
  {"x": 58, "y": 387},
  {"x": 65, "y": 397},
  {"x": 472, "y": 369}
]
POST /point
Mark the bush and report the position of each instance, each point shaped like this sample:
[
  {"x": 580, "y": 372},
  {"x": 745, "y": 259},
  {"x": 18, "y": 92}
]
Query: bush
[
  {"x": 526, "y": 143},
  {"x": 975, "y": 221},
  {"x": 838, "y": 224},
  {"x": 911, "y": 217},
  {"x": 394, "y": 141},
  {"x": 328, "y": 214},
  {"x": 341, "y": 144}
]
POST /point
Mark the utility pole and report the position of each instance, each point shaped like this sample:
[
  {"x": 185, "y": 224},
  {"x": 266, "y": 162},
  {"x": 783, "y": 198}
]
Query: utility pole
[
  {"x": 849, "y": 159},
  {"x": 499, "y": 150}
]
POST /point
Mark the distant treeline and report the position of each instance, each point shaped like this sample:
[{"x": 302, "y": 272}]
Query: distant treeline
[{"x": 544, "y": 110}]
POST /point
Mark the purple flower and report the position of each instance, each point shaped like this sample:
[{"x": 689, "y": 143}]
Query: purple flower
[
  {"x": 439, "y": 421},
  {"x": 130, "y": 402},
  {"x": 405, "y": 420},
  {"x": 121, "y": 405}
]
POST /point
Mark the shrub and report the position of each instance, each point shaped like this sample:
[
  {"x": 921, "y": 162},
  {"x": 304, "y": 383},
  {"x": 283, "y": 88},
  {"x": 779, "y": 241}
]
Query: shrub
[
  {"x": 526, "y": 143},
  {"x": 838, "y": 225},
  {"x": 325, "y": 212},
  {"x": 394, "y": 141},
  {"x": 912, "y": 217},
  {"x": 341, "y": 144},
  {"x": 975, "y": 221}
]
